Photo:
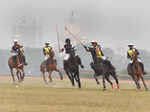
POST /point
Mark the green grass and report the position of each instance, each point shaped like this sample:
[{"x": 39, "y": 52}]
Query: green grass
[{"x": 60, "y": 96}]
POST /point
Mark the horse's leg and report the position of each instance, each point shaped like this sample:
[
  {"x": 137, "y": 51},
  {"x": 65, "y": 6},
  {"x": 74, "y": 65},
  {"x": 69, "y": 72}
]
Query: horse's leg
[
  {"x": 116, "y": 79},
  {"x": 136, "y": 80},
  {"x": 23, "y": 74},
  {"x": 12, "y": 74},
  {"x": 95, "y": 77},
  {"x": 17, "y": 73},
  {"x": 138, "y": 83},
  {"x": 72, "y": 78},
  {"x": 20, "y": 75},
  {"x": 68, "y": 74},
  {"x": 104, "y": 85},
  {"x": 50, "y": 76},
  {"x": 79, "y": 61},
  {"x": 60, "y": 74},
  {"x": 108, "y": 80},
  {"x": 77, "y": 78},
  {"x": 142, "y": 77},
  {"x": 44, "y": 77}
]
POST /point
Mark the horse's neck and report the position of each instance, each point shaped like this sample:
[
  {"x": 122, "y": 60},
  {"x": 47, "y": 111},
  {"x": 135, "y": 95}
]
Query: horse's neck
[
  {"x": 51, "y": 58},
  {"x": 73, "y": 60},
  {"x": 72, "y": 57}
]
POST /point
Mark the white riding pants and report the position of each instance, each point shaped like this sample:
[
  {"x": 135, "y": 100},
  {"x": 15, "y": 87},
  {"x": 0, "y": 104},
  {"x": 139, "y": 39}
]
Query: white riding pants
[{"x": 66, "y": 57}]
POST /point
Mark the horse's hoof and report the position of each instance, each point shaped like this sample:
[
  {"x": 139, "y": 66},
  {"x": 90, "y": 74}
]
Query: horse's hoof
[
  {"x": 104, "y": 89},
  {"x": 46, "y": 82},
  {"x": 119, "y": 90},
  {"x": 14, "y": 83},
  {"x": 20, "y": 81},
  {"x": 50, "y": 81},
  {"x": 98, "y": 83},
  {"x": 61, "y": 78}
]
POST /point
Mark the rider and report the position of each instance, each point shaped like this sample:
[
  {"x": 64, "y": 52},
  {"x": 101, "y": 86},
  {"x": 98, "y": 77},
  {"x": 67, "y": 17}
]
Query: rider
[
  {"x": 46, "y": 51},
  {"x": 99, "y": 53},
  {"x": 15, "y": 51},
  {"x": 67, "y": 47},
  {"x": 130, "y": 52}
]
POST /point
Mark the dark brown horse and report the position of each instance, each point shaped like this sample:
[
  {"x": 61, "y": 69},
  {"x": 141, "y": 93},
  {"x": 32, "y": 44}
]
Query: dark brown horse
[
  {"x": 102, "y": 68},
  {"x": 50, "y": 67},
  {"x": 18, "y": 65},
  {"x": 71, "y": 67},
  {"x": 137, "y": 72}
]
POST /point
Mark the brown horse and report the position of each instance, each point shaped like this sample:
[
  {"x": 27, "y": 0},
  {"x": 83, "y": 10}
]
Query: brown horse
[
  {"x": 50, "y": 67},
  {"x": 18, "y": 65},
  {"x": 137, "y": 72}
]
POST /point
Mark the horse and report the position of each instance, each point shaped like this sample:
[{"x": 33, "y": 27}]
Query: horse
[
  {"x": 71, "y": 68},
  {"x": 136, "y": 72},
  {"x": 16, "y": 62},
  {"x": 50, "y": 67},
  {"x": 103, "y": 68}
]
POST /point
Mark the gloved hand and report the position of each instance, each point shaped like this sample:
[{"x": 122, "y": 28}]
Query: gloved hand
[
  {"x": 84, "y": 46},
  {"x": 104, "y": 57}
]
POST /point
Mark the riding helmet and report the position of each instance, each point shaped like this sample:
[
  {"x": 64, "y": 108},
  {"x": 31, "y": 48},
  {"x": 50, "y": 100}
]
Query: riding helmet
[{"x": 67, "y": 40}]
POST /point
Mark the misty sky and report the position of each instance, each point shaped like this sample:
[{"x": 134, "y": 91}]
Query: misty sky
[{"x": 115, "y": 23}]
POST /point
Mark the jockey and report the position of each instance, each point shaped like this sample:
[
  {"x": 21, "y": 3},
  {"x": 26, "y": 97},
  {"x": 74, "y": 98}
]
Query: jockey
[
  {"x": 130, "y": 52},
  {"x": 15, "y": 51},
  {"x": 99, "y": 52},
  {"x": 46, "y": 51},
  {"x": 67, "y": 47}
]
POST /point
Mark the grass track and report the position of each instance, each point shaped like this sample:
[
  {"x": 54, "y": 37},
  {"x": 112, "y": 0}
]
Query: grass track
[{"x": 60, "y": 96}]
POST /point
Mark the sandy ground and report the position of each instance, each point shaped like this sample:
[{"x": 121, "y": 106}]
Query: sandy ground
[{"x": 59, "y": 96}]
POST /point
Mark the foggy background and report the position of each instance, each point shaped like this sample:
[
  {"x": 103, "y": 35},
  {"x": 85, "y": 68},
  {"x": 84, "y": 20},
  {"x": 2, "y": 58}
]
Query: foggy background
[{"x": 113, "y": 23}]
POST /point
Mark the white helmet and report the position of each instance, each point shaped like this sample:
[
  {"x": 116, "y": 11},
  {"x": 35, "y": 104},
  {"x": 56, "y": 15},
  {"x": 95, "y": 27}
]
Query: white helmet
[
  {"x": 131, "y": 44},
  {"x": 93, "y": 41},
  {"x": 46, "y": 43},
  {"x": 15, "y": 40}
]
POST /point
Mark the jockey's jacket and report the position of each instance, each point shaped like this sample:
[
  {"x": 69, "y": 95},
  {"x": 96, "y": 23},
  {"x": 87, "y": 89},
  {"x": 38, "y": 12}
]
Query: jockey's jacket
[
  {"x": 47, "y": 50},
  {"x": 68, "y": 48},
  {"x": 131, "y": 51},
  {"x": 99, "y": 52}
]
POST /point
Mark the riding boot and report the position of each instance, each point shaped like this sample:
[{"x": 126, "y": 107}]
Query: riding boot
[
  {"x": 24, "y": 60},
  {"x": 142, "y": 66}
]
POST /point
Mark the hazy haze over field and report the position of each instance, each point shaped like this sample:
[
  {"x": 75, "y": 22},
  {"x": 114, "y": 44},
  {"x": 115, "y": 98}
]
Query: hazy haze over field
[{"x": 113, "y": 22}]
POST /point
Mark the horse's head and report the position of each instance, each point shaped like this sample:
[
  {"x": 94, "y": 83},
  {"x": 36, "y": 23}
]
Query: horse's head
[
  {"x": 134, "y": 57},
  {"x": 72, "y": 52},
  {"x": 51, "y": 54},
  {"x": 20, "y": 48}
]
